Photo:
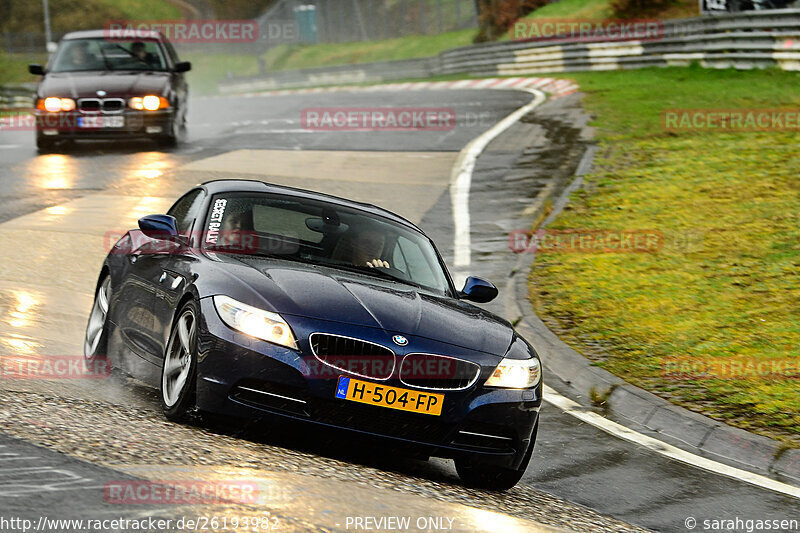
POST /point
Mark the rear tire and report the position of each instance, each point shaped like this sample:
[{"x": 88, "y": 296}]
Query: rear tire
[
  {"x": 490, "y": 477},
  {"x": 179, "y": 369}
]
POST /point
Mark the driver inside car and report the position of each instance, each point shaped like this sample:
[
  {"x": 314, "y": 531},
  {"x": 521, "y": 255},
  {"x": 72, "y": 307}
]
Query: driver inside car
[
  {"x": 81, "y": 59},
  {"x": 236, "y": 232},
  {"x": 364, "y": 247},
  {"x": 139, "y": 51}
]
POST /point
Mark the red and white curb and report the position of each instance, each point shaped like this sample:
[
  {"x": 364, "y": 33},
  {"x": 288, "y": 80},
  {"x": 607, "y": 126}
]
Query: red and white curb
[{"x": 556, "y": 88}]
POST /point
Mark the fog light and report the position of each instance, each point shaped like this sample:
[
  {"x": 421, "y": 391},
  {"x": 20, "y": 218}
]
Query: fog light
[{"x": 153, "y": 129}]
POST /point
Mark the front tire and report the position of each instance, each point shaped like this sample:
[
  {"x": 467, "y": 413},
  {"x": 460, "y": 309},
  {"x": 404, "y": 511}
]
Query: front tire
[
  {"x": 489, "y": 477},
  {"x": 176, "y": 134},
  {"x": 45, "y": 145},
  {"x": 179, "y": 371},
  {"x": 95, "y": 342}
]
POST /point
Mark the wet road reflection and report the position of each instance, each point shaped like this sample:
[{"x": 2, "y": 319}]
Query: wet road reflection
[{"x": 54, "y": 171}]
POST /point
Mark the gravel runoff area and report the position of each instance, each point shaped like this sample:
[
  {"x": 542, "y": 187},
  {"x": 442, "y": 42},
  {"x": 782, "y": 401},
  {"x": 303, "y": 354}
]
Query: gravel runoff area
[{"x": 120, "y": 435}]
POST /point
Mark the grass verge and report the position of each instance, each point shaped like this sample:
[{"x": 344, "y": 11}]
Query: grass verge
[
  {"x": 145, "y": 9},
  {"x": 14, "y": 67},
  {"x": 711, "y": 321}
]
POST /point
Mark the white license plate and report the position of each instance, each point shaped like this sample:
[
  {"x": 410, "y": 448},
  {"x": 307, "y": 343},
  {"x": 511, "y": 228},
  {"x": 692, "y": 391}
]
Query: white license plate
[{"x": 101, "y": 122}]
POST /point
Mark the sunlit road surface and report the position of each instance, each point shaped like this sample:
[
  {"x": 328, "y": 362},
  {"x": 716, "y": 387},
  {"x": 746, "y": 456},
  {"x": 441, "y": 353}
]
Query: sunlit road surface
[{"x": 61, "y": 211}]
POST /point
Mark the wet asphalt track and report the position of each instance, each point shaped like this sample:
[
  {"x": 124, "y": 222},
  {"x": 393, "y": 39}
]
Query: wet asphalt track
[{"x": 572, "y": 461}]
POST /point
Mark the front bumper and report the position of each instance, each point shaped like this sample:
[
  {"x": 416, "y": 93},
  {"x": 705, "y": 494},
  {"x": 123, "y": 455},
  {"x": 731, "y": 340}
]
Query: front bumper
[
  {"x": 67, "y": 125},
  {"x": 249, "y": 378}
]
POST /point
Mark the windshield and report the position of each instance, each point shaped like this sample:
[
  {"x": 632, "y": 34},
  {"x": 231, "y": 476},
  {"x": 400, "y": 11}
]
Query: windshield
[
  {"x": 323, "y": 234},
  {"x": 104, "y": 54}
]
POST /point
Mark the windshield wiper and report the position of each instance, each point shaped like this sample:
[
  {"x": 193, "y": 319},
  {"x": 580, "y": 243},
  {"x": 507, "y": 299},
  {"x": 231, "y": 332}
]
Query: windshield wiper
[
  {"x": 105, "y": 59},
  {"x": 137, "y": 58}
]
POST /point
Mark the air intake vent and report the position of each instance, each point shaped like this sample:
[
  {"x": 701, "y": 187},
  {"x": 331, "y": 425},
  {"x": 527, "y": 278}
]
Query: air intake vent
[
  {"x": 113, "y": 105},
  {"x": 90, "y": 105},
  {"x": 438, "y": 372},
  {"x": 272, "y": 396},
  {"x": 353, "y": 356}
]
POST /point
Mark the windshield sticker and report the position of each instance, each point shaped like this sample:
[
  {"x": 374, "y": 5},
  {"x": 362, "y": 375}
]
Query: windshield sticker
[{"x": 215, "y": 222}]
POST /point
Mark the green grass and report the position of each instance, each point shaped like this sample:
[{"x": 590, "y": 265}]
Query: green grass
[
  {"x": 145, "y": 9},
  {"x": 725, "y": 286},
  {"x": 14, "y": 68},
  {"x": 584, "y": 9},
  {"x": 297, "y": 56},
  {"x": 208, "y": 69},
  {"x": 73, "y": 15},
  {"x": 601, "y": 9}
]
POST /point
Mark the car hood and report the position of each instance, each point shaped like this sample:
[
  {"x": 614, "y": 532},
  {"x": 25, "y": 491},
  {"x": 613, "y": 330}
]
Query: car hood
[
  {"x": 329, "y": 294},
  {"x": 115, "y": 84}
]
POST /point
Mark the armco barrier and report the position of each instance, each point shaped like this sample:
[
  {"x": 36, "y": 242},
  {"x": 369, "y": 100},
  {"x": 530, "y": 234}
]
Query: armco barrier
[
  {"x": 19, "y": 96},
  {"x": 748, "y": 40},
  {"x": 344, "y": 74}
]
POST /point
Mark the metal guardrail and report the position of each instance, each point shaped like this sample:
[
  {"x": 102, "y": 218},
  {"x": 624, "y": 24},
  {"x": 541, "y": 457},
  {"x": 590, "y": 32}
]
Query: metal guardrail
[
  {"x": 344, "y": 74},
  {"x": 744, "y": 40},
  {"x": 17, "y": 96}
]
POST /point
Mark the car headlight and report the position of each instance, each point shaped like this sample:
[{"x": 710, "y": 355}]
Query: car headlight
[
  {"x": 150, "y": 102},
  {"x": 54, "y": 104},
  {"x": 255, "y": 322},
  {"x": 516, "y": 374}
]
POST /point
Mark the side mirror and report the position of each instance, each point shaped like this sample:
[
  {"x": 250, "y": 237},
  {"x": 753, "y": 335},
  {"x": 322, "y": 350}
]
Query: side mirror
[
  {"x": 478, "y": 290},
  {"x": 183, "y": 66},
  {"x": 36, "y": 69},
  {"x": 162, "y": 227}
]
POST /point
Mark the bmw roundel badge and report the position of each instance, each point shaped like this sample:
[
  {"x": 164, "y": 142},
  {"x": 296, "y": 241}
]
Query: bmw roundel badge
[{"x": 400, "y": 340}]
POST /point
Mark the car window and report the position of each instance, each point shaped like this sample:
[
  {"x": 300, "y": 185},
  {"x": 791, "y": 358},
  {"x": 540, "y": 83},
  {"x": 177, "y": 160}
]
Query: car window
[
  {"x": 283, "y": 222},
  {"x": 108, "y": 54},
  {"x": 417, "y": 264},
  {"x": 323, "y": 233},
  {"x": 398, "y": 260},
  {"x": 173, "y": 55},
  {"x": 186, "y": 210}
]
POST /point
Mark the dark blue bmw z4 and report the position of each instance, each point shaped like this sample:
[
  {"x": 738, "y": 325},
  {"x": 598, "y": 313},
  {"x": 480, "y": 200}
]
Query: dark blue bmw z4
[{"x": 258, "y": 301}]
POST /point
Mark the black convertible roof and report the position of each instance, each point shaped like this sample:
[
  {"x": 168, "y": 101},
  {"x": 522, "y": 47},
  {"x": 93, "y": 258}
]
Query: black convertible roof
[{"x": 243, "y": 185}]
